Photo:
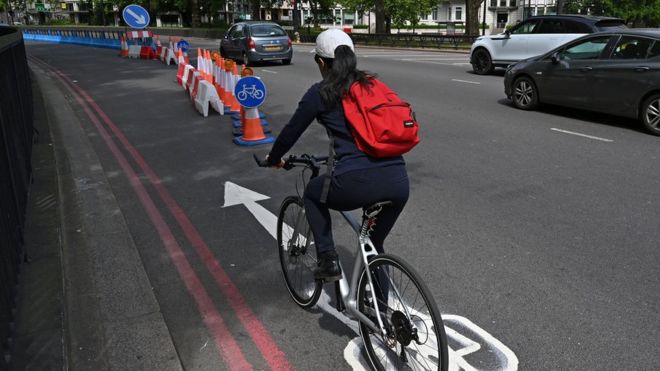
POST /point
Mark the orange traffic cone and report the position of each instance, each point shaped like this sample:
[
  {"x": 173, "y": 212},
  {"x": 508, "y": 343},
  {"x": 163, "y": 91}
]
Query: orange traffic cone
[
  {"x": 209, "y": 67},
  {"x": 179, "y": 73},
  {"x": 235, "y": 106},
  {"x": 199, "y": 62},
  {"x": 123, "y": 52},
  {"x": 225, "y": 81},
  {"x": 253, "y": 132}
]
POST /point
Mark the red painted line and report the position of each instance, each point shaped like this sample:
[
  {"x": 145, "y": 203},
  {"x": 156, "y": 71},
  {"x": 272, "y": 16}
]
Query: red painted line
[
  {"x": 225, "y": 343},
  {"x": 275, "y": 358}
]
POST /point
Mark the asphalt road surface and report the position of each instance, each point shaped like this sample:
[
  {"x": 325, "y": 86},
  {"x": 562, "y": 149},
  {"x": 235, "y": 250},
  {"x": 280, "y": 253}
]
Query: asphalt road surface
[{"x": 537, "y": 232}]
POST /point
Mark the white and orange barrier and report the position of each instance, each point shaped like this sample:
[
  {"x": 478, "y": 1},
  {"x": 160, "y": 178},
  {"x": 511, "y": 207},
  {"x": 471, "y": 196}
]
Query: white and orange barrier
[
  {"x": 186, "y": 79},
  {"x": 207, "y": 96},
  {"x": 134, "y": 51}
]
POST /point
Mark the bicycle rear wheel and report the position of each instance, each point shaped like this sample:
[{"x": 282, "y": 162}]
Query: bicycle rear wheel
[
  {"x": 415, "y": 338},
  {"x": 297, "y": 253}
]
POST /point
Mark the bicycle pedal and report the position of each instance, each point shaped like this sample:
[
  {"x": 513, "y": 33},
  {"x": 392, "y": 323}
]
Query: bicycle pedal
[{"x": 329, "y": 279}]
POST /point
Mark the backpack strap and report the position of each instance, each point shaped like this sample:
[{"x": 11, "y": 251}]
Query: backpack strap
[{"x": 330, "y": 168}]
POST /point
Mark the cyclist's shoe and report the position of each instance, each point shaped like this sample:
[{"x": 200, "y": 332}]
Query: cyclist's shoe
[{"x": 328, "y": 267}]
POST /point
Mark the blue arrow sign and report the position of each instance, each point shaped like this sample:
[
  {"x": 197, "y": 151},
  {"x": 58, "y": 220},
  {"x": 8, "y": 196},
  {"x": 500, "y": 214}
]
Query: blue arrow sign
[
  {"x": 136, "y": 16},
  {"x": 250, "y": 92}
]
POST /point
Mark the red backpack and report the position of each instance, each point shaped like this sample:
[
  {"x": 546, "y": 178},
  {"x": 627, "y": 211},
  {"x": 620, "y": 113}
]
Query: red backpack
[{"x": 382, "y": 124}]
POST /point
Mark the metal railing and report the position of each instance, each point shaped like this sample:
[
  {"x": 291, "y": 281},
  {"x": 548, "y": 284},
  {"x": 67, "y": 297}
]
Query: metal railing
[
  {"x": 16, "y": 133},
  {"x": 411, "y": 40}
]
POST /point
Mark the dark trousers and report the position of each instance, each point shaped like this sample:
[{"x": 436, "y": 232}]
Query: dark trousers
[{"x": 355, "y": 190}]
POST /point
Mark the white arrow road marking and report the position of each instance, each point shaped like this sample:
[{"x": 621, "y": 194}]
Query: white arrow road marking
[
  {"x": 237, "y": 195},
  {"x": 139, "y": 19}
]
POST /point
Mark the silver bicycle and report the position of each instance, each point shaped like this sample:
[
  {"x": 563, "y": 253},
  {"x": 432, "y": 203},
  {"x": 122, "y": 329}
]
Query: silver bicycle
[{"x": 399, "y": 322}]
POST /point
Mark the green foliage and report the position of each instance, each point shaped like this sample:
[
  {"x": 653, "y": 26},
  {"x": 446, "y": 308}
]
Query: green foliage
[
  {"x": 638, "y": 13},
  {"x": 360, "y": 6}
]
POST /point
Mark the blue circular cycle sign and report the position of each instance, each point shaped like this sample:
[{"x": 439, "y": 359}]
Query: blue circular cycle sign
[
  {"x": 136, "y": 16},
  {"x": 183, "y": 45},
  {"x": 250, "y": 92}
]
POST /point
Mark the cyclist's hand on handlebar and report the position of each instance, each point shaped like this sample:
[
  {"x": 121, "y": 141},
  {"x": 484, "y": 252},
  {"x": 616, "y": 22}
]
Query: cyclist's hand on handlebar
[{"x": 266, "y": 163}]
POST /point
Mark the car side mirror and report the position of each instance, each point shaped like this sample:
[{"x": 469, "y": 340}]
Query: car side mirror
[
  {"x": 555, "y": 58},
  {"x": 507, "y": 34}
]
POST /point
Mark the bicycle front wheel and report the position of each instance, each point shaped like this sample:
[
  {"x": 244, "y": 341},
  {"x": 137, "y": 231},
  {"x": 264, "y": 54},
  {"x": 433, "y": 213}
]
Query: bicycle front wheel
[
  {"x": 415, "y": 334},
  {"x": 297, "y": 253}
]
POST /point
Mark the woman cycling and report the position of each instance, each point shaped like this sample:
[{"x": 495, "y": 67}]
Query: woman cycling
[{"x": 357, "y": 179}]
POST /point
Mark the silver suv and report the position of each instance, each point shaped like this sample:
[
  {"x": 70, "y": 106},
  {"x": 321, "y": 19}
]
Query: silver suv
[
  {"x": 256, "y": 41},
  {"x": 534, "y": 36}
]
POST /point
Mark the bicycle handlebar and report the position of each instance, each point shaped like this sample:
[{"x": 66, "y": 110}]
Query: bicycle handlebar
[{"x": 292, "y": 161}]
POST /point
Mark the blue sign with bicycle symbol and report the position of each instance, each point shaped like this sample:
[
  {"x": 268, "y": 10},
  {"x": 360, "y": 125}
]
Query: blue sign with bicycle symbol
[
  {"x": 183, "y": 45},
  {"x": 250, "y": 92}
]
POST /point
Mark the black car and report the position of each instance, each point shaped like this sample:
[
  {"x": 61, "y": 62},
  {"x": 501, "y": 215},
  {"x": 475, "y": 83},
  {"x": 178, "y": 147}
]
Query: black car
[
  {"x": 610, "y": 72},
  {"x": 256, "y": 41}
]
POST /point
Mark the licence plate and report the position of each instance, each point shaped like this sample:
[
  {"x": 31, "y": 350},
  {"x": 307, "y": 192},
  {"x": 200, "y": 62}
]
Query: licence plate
[{"x": 272, "y": 48}]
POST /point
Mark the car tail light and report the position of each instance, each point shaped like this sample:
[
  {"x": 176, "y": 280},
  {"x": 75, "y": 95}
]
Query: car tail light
[
  {"x": 251, "y": 43},
  {"x": 289, "y": 42}
]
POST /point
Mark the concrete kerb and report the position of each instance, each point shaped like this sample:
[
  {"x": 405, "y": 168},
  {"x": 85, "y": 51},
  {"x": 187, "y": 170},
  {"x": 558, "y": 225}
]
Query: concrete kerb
[{"x": 112, "y": 318}]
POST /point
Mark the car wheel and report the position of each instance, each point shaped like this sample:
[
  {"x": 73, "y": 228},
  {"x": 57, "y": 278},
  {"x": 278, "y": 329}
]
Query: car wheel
[
  {"x": 286, "y": 61},
  {"x": 245, "y": 59},
  {"x": 481, "y": 62},
  {"x": 223, "y": 53},
  {"x": 651, "y": 114},
  {"x": 524, "y": 93}
]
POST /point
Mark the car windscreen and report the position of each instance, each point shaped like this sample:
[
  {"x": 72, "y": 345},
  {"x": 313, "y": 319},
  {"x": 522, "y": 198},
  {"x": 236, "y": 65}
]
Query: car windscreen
[
  {"x": 610, "y": 25},
  {"x": 265, "y": 30}
]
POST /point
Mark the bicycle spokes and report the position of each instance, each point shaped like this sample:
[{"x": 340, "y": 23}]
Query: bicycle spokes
[
  {"x": 297, "y": 253},
  {"x": 409, "y": 339}
]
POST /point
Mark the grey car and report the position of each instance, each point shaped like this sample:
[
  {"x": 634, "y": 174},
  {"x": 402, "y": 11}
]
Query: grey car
[
  {"x": 615, "y": 73},
  {"x": 255, "y": 41}
]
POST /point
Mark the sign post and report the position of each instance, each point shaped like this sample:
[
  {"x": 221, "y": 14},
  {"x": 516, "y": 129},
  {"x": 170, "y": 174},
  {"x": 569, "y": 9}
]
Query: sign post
[{"x": 250, "y": 92}]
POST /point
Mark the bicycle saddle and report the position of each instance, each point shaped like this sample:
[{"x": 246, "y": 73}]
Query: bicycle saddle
[{"x": 374, "y": 209}]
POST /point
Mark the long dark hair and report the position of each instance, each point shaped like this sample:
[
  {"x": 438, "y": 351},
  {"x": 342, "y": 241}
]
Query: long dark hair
[{"x": 343, "y": 73}]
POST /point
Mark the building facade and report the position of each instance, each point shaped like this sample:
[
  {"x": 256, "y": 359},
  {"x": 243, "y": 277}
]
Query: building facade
[{"x": 448, "y": 15}]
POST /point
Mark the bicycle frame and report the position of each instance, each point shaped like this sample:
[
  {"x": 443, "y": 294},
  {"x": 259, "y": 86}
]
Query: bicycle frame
[{"x": 348, "y": 293}]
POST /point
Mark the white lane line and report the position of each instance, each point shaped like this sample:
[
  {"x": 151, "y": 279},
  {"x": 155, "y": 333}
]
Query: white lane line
[
  {"x": 269, "y": 71},
  {"x": 467, "y": 82},
  {"x": 582, "y": 135},
  {"x": 430, "y": 62},
  {"x": 404, "y": 55},
  {"x": 432, "y": 59}
]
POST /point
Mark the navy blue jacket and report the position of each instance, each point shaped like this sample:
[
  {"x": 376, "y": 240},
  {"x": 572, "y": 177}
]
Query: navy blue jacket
[{"x": 347, "y": 156}]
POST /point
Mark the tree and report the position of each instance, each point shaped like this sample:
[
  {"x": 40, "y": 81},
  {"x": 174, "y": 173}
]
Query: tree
[
  {"x": 4, "y": 7},
  {"x": 637, "y": 13},
  {"x": 472, "y": 17},
  {"x": 403, "y": 12}
]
